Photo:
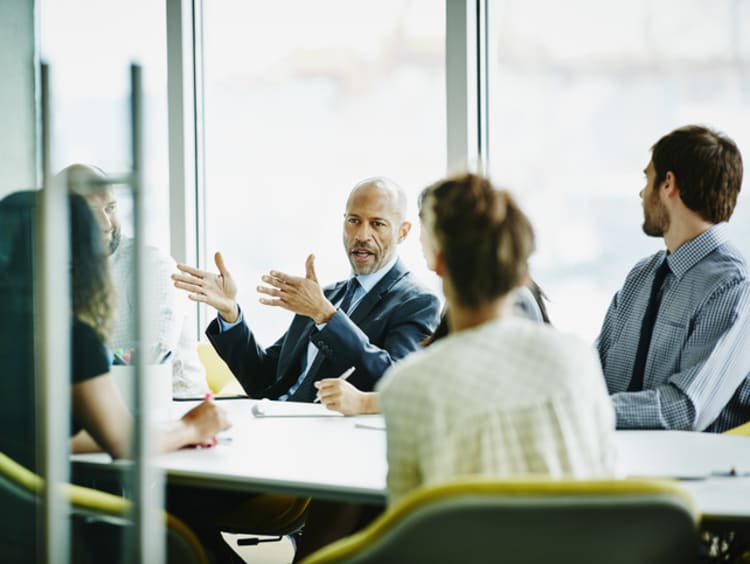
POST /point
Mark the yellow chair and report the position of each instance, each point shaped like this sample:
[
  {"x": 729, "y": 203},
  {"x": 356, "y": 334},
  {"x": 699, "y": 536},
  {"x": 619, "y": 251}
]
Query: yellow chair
[
  {"x": 20, "y": 489},
  {"x": 529, "y": 521},
  {"x": 741, "y": 430},
  {"x": 219, "y": 377}
]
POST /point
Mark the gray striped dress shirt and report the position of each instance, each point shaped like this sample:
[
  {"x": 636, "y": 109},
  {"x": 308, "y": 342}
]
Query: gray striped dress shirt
[{"x": 696, "y": 374}]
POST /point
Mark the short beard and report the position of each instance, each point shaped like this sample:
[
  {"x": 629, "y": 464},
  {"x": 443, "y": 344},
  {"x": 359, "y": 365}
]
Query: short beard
[
  {"x": 652, "y": 229},
  {"x": 115, "y": 240},
  {"x": 655, "y": 223}
]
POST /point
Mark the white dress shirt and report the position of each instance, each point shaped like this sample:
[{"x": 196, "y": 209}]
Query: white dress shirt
[
  {"x": 172, "y": 315},
  {"x": 509, "y": 397}
]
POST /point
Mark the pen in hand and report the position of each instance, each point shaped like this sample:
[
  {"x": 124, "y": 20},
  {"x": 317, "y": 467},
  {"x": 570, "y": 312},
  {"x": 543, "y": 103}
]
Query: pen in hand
[{"x": 344, "y": 375}]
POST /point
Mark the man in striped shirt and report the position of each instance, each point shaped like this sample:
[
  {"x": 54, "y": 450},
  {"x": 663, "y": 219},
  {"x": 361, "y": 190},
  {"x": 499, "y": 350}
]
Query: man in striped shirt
[{"x": 675, "y": 343}]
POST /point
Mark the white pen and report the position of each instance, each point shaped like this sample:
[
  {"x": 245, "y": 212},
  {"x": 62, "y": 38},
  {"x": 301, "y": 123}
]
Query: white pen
[{"x": 344, "y": 375}]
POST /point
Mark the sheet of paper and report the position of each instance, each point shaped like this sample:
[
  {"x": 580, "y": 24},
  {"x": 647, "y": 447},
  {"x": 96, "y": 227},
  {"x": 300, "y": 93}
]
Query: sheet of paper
[{"x": 269, "y": 408}]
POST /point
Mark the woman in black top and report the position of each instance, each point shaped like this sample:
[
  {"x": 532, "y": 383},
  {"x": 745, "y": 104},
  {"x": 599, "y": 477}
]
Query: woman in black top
[{"x": 99, "y": 418}]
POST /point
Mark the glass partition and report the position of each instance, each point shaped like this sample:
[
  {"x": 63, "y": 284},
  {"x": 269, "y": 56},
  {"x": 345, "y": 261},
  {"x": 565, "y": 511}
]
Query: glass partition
[{"x": 90, "y": 46}]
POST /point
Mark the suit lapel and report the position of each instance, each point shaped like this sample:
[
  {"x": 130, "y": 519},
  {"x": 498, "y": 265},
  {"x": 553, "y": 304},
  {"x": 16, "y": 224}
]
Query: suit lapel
[
  {"x": 299, "y": 334},
  {"x": 336, "y": 294},
  {"x": 373, "y": 297},
  {"x": 299, "y": 337},
  {"x": 290, "y": 359}
]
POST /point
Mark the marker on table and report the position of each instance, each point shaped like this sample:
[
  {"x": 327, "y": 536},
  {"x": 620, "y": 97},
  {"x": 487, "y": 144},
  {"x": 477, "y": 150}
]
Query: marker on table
[
  {"x": 344, "y": 375},
  {"x": 118, "y": 358},
  {"x": 731, "y": 473}
]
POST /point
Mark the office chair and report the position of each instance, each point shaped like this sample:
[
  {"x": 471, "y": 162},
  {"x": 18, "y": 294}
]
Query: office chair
[
  {"x": 19, "y": 496},
  {"x": 219, "y": 377},
  {"x": 481, "y": 520},
  {"x": 263, "y": 514},
  {"x": 741, "y": 430},
  {"x": 267, "y": 515}
]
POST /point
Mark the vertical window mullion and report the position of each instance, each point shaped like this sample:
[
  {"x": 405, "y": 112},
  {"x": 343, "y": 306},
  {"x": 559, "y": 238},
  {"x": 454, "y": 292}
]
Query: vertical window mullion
[{"x": 466, "y": 84}]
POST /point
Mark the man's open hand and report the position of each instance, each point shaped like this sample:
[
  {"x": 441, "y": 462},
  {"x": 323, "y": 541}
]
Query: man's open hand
[{"x": 303, "y": 296}]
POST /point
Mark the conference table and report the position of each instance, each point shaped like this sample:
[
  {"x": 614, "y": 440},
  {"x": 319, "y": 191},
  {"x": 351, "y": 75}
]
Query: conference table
[{"x": 307, "y": 450}]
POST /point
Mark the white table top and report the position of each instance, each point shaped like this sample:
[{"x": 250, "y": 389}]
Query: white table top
[
  {"x": 343, "y": 458},
  {"x": 682, "y": 454}
]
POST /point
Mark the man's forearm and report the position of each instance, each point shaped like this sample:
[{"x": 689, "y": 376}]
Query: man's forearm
[{"x": 666, "y": 407}]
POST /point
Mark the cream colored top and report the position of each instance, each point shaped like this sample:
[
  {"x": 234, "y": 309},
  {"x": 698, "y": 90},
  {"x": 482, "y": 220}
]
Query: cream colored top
[{"x": 507, "y": 398}]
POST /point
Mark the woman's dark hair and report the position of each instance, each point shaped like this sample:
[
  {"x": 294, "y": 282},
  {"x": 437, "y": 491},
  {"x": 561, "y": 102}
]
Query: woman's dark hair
[
  {"x": 91, "y": 286},
  {"x": 539, "y": 297},
  {"x": 440, "y": 331}
]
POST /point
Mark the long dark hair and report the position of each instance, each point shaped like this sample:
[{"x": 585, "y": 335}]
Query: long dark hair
[{"x": 91, "y": 287}]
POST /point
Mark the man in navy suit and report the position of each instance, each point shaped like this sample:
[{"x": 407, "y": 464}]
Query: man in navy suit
[{"x": 377, "y": 316}]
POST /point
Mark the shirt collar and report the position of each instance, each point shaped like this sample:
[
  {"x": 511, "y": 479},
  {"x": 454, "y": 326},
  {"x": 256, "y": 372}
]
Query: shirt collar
[
  {"x": 368, "y": 281},
  {"x": 690, "y": 253}
]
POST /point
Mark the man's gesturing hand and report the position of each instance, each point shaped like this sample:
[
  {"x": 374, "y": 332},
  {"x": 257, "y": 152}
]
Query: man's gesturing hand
[
  {"x": 216, "y": 290},
  {"x": 303, "y": 296}
]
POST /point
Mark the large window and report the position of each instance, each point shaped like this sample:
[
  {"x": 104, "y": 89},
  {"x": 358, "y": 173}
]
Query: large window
[
  {"x": 90, "y": 46},
  {"x": 581, "y": 91},
  {"x": 303, "y": 100}
]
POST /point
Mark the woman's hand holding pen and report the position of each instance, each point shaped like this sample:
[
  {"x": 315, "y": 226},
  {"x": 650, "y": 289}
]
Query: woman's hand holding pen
[{"x": 206, "y": 420}]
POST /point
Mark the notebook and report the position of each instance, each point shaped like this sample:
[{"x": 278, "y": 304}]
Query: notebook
[{"x": 269, "y": 408}]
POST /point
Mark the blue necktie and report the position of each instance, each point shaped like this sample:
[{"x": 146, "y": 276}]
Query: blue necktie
[
  {"x": 647, "y": 328},
  {"x": 351, "y": 288}
]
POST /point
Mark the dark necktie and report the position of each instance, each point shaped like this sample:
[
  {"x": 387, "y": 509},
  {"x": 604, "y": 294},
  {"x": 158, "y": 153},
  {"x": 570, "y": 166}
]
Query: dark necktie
[
  {"x": 351, "y": 287},
  {"x": 305, "y": 390},
  {"x": 647, "y": 328}
]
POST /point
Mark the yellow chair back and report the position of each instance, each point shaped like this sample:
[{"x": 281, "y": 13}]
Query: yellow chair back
[
  {"x": 529, "y": 521},
  {"x": 19, "y": 481},
  {"x": 741, "y": 430},
  {"x": 219, "y": 377}
]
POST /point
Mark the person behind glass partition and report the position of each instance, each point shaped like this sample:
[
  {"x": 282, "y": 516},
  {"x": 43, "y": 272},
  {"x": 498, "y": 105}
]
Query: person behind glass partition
[
  {"x": 168, "y": 310},
  {"x": 99, "y": 418}
]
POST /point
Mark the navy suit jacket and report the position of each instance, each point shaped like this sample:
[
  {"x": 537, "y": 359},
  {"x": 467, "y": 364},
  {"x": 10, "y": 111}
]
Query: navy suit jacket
[{"x": 388, "y": 323}]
